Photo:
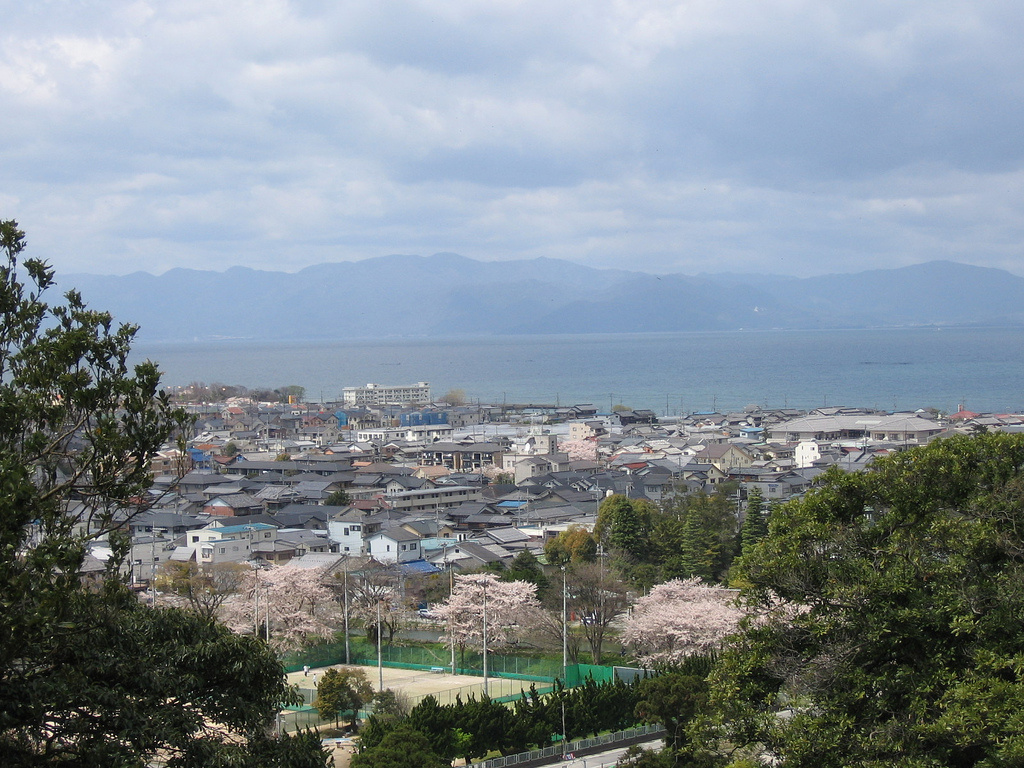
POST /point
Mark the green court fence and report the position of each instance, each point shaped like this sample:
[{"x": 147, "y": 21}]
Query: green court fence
[
  {"x": 505, "y": 673},
  {"x": 425, "y": 657}
]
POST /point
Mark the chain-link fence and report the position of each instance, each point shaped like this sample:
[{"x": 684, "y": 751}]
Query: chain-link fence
[
  {"x": 605, "y": 740},
  {"x": 468, "y": 662}
]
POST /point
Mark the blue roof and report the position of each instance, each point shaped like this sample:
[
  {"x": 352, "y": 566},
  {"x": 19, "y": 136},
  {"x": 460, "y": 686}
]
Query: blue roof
[
  {"x": 511, "y": 503},
  {"x": 419, "y": 568},
  {"x": 246, "y": 527}
]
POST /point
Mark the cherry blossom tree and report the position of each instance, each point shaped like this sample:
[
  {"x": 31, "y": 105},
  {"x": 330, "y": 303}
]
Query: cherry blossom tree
[
  {"x": 512, "y": 607},
  {"x": 678, "y": 618},
  {"x": 297, "y": 600},
  {"x": 580, "y": 450}
]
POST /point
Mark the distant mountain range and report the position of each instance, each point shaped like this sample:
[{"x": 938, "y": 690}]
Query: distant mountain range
[{"x": 450, "y": 295}]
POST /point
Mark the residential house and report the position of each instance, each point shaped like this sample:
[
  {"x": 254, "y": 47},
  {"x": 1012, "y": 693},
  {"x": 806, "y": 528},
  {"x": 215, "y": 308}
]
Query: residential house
[{"x": 394, "y": 545}]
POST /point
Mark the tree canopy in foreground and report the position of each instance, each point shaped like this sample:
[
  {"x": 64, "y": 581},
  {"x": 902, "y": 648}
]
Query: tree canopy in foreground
[
  {"x": 88, "y": 676},
  {"x": 892, "y": 603}
]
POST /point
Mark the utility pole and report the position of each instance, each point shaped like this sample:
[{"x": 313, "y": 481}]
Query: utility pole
[
  {"x": 256, "y": 603},
  {"x": 267, "y": 601},
  {"x": 348, "y": 650},
  {"x": 565, "y": 634},
  {"x": 451, "y": 621},
  {"x": 380, "y": 658},
  {"x": 484, "y": 583},
  {"x": 152, "y": 565}
]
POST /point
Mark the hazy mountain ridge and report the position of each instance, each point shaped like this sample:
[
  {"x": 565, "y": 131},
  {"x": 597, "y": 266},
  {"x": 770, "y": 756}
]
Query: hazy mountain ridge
[{"x": 451, "y": 295}]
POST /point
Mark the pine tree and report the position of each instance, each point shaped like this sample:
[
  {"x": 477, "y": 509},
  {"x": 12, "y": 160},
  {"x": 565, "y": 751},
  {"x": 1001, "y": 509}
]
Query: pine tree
[{"x": 754, "y": 527}]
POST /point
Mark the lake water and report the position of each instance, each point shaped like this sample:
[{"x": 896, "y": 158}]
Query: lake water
[{"x": 981, "y": 368}]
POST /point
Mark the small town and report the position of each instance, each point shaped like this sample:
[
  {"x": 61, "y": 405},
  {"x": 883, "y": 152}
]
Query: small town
[
  {"x": 398, "y": 385},
  {"x": 461, "y": 486},
  {"x": 395, "y": 497}
]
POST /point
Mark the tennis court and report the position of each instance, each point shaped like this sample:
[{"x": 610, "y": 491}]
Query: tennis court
[{"x": 415, "y": 684}]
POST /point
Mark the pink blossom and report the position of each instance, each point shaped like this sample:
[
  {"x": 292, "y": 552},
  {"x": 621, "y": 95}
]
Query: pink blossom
[
  {"x": 512, "y": 608},
  {"x": 300, "y": 605},
  {"x": 679, "y": 618}
]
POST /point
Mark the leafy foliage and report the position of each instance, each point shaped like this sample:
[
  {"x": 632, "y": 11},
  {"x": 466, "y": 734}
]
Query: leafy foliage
[
  {"x": 402, "y": 747},
  {"x": 477, "y": 726},
  {"x": 338, "y": 498},
  {"x": 754, "y": 527},
  {"x": 88, "y": 676},
  {"x": 526, "y": 567},
  {"x": 698, "y": 535},
  {"x": 891, "y": 627},
  {"x": 674, "y": 698},
  {"x": 573, "y": 545},
  {"x": 342, "y": 690}
]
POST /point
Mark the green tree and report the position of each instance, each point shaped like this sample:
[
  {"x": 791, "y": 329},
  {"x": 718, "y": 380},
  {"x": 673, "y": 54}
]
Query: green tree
[
  {"x": 292, "y": 392},
  {"x": 89, "y": 676},
  {"x": 754, "y": 527},
  {"x": 401, "y": 747},
  {"x": 339, "y": 498},
  {"x": 575, "y": 544},
  {"x": 342, "y": 690},
  {"x": 704, "y": 539},
  {"x": 526, "y": 567},
  {"x": 674, "y": 698},
  {"x": 437, "y": 723},
  {"x": 624, "y": 524},
  {"x": 893, "y": 632},
  {"x": 390, "y": 703}
]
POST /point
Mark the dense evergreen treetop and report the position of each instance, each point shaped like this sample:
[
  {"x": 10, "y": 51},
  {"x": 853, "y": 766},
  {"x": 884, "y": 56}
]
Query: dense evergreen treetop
[
  {"x": 891, "y": 608},
  {"x": 88, "y": 675}
]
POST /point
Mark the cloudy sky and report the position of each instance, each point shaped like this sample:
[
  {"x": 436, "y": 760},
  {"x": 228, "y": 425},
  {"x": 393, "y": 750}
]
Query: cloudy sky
[{"x": 781, "y": 136}]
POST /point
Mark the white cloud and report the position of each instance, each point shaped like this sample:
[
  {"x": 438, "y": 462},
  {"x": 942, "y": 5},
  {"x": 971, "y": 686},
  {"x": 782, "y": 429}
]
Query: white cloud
[{"x": 769, "y": 135}]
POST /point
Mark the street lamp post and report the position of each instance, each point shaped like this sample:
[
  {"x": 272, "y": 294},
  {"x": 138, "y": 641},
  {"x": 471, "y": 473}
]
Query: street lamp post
[
  {"x": 380, "y": 657},
  {"x": 485, "y": 634},
  {"x": 267, "y": 602},
  {"x": 348, "y": 651},
  {"x": 565, "y": 629},
  {"x": 451, "y": 618},
  {"x": 256, "y": 604}
]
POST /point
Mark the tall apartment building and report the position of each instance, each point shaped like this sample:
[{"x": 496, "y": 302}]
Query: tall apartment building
[{"x": 375, "y": 394}]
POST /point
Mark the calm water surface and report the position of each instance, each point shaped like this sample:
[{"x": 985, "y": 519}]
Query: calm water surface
[{"x": 981, "y": 368}]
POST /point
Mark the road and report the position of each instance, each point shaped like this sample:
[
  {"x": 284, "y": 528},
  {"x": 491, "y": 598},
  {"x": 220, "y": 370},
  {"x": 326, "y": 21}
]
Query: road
[{"x": 604, "y": 759}]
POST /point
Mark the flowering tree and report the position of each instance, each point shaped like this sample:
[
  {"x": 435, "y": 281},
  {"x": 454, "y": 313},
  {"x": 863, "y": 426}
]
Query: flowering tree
[
  {"x": 678, "y": 618},
  {"x": 298, "y": 601},
  {"x": 580, "y": 450},
  {"x": 511, "y": 606}
]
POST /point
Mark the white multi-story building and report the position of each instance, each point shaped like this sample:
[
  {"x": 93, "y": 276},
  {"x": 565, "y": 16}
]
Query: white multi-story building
[{"x": 375, "y": 394}]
